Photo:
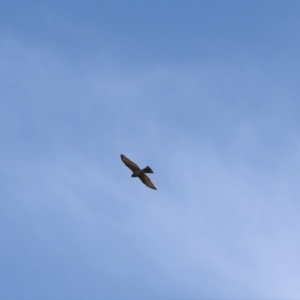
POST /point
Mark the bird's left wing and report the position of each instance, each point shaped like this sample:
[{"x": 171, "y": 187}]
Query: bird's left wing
[{"x": 130, "y": 164}]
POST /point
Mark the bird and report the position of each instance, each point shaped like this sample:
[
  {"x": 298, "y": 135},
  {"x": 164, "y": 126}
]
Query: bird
[{"x": 137, "y": 172}]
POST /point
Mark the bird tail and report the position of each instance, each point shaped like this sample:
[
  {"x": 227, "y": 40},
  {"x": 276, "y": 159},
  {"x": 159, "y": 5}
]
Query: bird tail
[{"x": 147, "y": 170}]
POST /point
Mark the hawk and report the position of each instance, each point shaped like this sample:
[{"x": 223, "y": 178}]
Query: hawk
[{"x": 137, "y": 172}]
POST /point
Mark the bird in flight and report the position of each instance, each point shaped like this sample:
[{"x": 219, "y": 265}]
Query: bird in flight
[{"x": 137, "y": 172}]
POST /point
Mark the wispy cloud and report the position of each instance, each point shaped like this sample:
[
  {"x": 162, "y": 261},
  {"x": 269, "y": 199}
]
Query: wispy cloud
[{"x": 223, "y": 140}]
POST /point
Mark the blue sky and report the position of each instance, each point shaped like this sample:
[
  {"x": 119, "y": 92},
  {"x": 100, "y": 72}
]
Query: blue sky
[{"x": 206, "y": 93}]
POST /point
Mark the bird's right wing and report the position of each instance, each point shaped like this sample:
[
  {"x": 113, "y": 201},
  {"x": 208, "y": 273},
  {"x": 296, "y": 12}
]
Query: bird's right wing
[
  {"x": 130, "y": 164},
  {"x": 146, "y": 180}
]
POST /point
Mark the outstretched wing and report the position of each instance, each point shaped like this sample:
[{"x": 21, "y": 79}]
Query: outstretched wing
[
  {"x": 146, "y": 180},
  {"x": 130, "y": 164}
]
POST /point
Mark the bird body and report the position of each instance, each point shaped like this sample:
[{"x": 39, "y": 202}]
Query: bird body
[{"x": 137, "y": 172}]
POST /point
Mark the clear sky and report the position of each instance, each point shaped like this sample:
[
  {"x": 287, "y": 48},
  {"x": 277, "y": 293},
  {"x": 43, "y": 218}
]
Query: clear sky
[{"x": 206, "y": 93}]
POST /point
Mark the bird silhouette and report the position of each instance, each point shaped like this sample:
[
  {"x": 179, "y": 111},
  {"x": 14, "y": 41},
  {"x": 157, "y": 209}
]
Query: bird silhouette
[{"x": 137, "y": 172}]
